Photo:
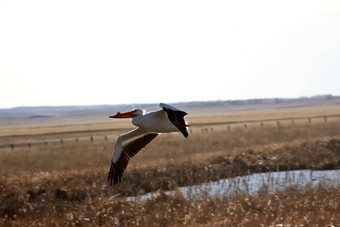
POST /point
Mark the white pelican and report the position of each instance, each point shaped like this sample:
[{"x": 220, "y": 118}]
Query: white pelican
[{"x": 150, "y": 125}]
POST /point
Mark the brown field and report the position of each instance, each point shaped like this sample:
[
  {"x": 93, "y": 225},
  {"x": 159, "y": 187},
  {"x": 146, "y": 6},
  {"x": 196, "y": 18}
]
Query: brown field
[{"x": 64, "y": 184}]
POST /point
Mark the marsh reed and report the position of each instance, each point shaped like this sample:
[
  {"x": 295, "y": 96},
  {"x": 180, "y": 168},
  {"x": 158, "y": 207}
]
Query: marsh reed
[{"x": 65, "y": 184}]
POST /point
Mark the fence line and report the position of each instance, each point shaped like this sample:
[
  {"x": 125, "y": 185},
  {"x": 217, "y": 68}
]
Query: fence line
[
  {"x": 325, "y": 117},
  {"x": 277, "y": 120},
  {"x": 203, "y": 130},
  {"x": 91, "y": 139}
]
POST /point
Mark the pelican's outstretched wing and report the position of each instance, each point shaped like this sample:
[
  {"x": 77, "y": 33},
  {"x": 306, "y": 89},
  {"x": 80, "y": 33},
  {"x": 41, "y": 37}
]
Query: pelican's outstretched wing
[
  {"x": 127, "y": 145},
  {"x": 176, "y": 116}
]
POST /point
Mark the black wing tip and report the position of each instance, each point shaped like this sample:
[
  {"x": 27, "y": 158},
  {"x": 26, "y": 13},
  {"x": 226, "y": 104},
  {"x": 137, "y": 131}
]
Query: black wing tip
[
  {"x": 179, "y": 112},
  {"x": 165, "y": 106},
  {"x": 177, "y": 118},
  {"x": 117, "y": 168},
  {"x": 113, "y": 177},
  {"x": 185, "y": 133},
  {"x": 110, "y": 177}
]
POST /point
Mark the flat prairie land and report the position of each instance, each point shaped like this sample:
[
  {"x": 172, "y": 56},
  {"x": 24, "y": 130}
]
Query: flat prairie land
[
  {"x": 195, "y": 120},
  {"x": 56, "y": 175}
]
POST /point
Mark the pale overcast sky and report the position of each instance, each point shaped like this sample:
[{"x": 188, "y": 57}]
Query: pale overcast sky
[{"x": 115, "y": 52}]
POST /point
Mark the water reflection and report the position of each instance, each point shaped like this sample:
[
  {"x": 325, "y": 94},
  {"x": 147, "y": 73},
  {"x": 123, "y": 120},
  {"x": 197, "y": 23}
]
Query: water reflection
[{"x": 255, "y": 183}]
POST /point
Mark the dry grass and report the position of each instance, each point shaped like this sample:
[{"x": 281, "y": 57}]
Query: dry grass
[
  {"x": 65, "y": 184},
  {"x": 260, "y": 115},
  {"x": 168, "y": 149},
  {"x": 198, "y": 119},
  {"x": 292, "y": 206}
]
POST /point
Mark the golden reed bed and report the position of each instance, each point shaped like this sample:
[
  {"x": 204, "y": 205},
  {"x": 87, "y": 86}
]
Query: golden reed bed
[{"x": 65, "y": 183}]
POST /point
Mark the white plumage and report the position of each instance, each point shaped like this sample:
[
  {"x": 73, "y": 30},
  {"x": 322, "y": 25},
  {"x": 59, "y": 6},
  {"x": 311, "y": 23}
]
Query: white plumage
[{"x": 150, "y": 125}]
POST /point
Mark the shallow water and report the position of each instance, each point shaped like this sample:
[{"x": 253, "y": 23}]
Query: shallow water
[{"x": 255, "y": 183}]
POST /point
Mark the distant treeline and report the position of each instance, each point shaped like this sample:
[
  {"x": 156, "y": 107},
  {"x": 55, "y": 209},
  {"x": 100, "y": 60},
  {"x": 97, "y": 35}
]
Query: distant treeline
[{"x": 52, "y": 110}]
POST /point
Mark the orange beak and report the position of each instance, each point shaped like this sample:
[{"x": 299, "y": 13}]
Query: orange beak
[{"x": 124, "y": 115}]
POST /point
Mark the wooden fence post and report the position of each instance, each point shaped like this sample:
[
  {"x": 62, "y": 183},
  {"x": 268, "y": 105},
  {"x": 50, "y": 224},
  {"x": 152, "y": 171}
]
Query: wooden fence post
[
  {"x": 229, "y": 128},
  {"x": 293, "y": 122},
  {"x": 278, "y": 124},
  {"x": 12, "y": 146},
  {"x": 245, "y": 126},
  {"x": 91, "y": 139},
  {"x": 309, "y": 120},
  {"x": 105, "y": 138},
  {"x": 261, "y": 124}
]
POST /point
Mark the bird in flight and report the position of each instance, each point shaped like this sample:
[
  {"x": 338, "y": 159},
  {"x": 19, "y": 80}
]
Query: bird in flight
[{"x": 150, "y": 125}]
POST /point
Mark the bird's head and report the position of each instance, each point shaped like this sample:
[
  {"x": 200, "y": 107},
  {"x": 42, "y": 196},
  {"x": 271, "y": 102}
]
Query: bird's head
[{"x": 130, "y": 114}]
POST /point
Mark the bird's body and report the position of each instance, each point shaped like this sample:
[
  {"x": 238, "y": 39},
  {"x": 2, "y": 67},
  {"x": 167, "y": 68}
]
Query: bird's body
[
  {"x": 150, "y": 125},
  {"x": 156, "y": 121}
]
